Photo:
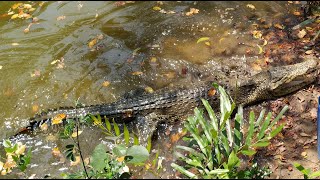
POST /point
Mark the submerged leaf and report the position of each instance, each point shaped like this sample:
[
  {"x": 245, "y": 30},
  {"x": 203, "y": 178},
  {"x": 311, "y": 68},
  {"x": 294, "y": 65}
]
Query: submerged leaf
[{"x": 202, "y": 39}]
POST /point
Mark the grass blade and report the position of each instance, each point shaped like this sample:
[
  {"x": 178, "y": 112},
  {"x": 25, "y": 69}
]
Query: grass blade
[
  {"x": 264, "y": 126},
  {"x": 126, "y": 134},
  {"x": 212, "y": 116},
  {"x": 108, "y": 125},
  {"x": 135, "y": 139},
  {"x": 284, "y": 109},
  {"x": 184, "y": 171},
  {"x": 116, "y": 128},
  {"x": 251, "y": 128}
]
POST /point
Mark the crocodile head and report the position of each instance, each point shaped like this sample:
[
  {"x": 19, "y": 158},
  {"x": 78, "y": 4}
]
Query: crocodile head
[
  {"x": 288, "y": 79},
  {"x": 276, "y": 82}
]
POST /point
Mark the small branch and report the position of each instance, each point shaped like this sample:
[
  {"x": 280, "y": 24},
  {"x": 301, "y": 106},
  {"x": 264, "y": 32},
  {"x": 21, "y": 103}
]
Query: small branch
[{"x": 78, "y": 144}]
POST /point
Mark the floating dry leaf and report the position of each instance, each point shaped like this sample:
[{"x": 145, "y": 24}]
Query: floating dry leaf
[
  {"x": 137, "y": 73},
  {"x": 301, "y": 33},
  {"x": 15, "y": 44},
  {"x": 105, "y": 83},
  {"x": 92, "y": 43},
  {"x": 251, "y": 6},
  {"x": 74, "y": 134},
  {"x": 36, "y": 73},
  {"x": 149, "y": 89},
  {"x": 15, "y": 6},
  {"x": 202, "y": 39},
  {"x": 35, "y": 108},
  {"x": 58, "y": 118},
  {"x": 32, "y": 9},
  {"x": 41, "y": 4},
  {"x": 175, "y": 137},
  {"x": 14, "y": 16},
  {"x": 192, "y": 11},
  {"x": 153, "y": 59},
  {"x": 156, "y": 8},
  {"x": 26, "y": 30},
  {"x": 1, "y": 67},
  {"x": 59, "y": 18}
]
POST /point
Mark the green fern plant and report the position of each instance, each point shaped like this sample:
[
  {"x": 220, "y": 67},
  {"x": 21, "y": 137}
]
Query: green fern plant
[{"x": 217, "y": 146}]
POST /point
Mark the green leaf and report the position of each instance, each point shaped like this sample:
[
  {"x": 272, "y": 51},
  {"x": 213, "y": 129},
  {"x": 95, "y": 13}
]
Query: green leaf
[
  {"x": 276, "y": 131},
  {"x": 251, "y": 128},
  {"x": 233, "y": 160},
  {"x": 219, "y": 171},
  {"x": 204, "y": 124},
  {"x": 315, "y": 175},
  {"x": 126, "y": 134},
  {"x": 135, "y": 139},
  {"x": 108, "y": 125},
  {"x": 264, "y": 126},
  {"x": 261, "y": 144},
  {"x": 284, "y": 109},
  {"x": 184, "y": 171},
  {"x": 119, "y": 150},
  {"x": 139, "y": 154},
  {"x": 202, "y": 39},
  {"x": 213, "y": 117},
  {"x": 6, "y": 143},
  {"x": 116, "y": 128},
  {"x": 248, "y": 152},
  {"x": 306, "y": 172},
  {"x": 98, "y": 157},
  {"x": 237, "y": 129},
  {"x": 149, "y": 144}
]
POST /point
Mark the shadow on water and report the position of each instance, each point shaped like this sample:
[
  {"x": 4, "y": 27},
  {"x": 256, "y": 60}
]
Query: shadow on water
[{"x": 53, "y": 66}]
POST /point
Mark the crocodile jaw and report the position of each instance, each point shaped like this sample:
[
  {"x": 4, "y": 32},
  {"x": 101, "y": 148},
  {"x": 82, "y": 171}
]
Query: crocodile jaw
[{"x": 285, "y": 80}]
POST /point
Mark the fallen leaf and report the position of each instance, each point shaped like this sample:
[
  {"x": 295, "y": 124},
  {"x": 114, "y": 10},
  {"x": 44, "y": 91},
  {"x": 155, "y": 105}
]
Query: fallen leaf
[
  {"x": 74, "y": 134},
  {"x": 257, "y": 34},
  {"x": 290, "y": 168},
  {"x": 41, "y": 4},
  {"x": 175, "y": 137},
  {"x": 92, "y": 43},
  {"x": 279, "y": 26},
  {"x": 301, "y": 33},
  {"x": 35, "y": 108},
  {"x": 192, "y": 11},
  {"x": 120, "y": 159},
  {"x": 156, "y": 8},
  {"x": 297, "y": 13},
  {"x": 1, "y": 67},
  {"x": 153, "y": 59},
  {"x": 32, "y": 9},
  {"x": 105, "y": 83},
  {"x": 14, "y": 16},
  {"x": 202, "y": 39},
  {"x": 76, "y": 162},
  {"x": 32, "y": 176},
  {"x": 58, "y": 118},
  {"x": 251, "y": 6},
  {"x": 26, "y": 30},
  {"x": 27, "y": 6},
  {"x": 15, "y": 6},
  {"x": 207, "y": 43},
  {"x": 212, "y": 92},
  {"x": 304, "y": 134},
  {"x": 15, "y": 44},
  {"x": 309, "y": 52},
  {"x": 137, "y": 73},
  {"x": 304, "y": 154},
  {"x": 56, "y": 152},
  {"x": 149, "y": 89},
  {"x": 260, "y": 49},
  {"x": 59, "y": 18},
  {"x": 44, "y": 127}
]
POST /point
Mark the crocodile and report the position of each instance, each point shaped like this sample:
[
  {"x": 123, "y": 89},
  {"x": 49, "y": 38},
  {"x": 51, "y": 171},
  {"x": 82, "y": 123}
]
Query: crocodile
[{"x": 174, "y": 103}]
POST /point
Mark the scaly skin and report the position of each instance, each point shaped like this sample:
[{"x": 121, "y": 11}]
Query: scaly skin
[{"x": 176, "y": 103}]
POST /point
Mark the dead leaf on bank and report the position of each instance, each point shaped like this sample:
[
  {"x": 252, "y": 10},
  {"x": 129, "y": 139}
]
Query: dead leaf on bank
[
  {"x": 76, "y": 162},
  {"x": 309, "y": 52},
  {"x": 137, "y": 73},
  {"x": 106, "y": 83},
  {"x": 212, "y": 92},
  {"x": 175, "y": 137},
  {"x": 58, "y": 118},
  {"x": 149, "y": 89},
  {"x": 297, "y": 13},
  {"x": 74, "y": 134},
  {"x": 192, "y": 11},
  {"x": 56, "y": 152},
  {"x": 156, "y": 8},
  {"x": 279, "y": 26},
  {"x": 251, "y": 6},
  {"x": 59, "y": 18},
  {"x": 301, "y": 33},
  {"x": 304, "y": 134},
  {"x": 304, "y": 154}
]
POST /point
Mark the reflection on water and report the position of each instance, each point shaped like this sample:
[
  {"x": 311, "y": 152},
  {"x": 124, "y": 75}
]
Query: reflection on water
[{"x": 52, "y": 65}]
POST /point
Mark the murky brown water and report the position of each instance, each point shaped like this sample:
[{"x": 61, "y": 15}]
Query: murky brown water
[{"x": 32, "y": 80}]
